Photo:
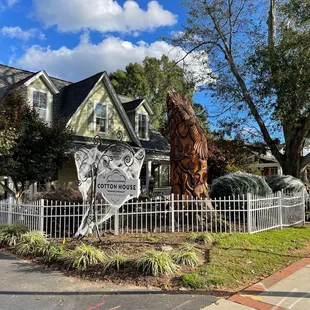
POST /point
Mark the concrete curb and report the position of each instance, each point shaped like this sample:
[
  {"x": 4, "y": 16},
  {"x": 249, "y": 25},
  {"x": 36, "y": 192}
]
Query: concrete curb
[{"x": 247, "y": 297}]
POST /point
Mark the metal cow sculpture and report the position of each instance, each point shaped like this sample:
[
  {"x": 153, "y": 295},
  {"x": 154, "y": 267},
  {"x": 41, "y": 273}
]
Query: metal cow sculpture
[
  {"x": 90, "y": 163},
  {"x": 189, "y": 149}
]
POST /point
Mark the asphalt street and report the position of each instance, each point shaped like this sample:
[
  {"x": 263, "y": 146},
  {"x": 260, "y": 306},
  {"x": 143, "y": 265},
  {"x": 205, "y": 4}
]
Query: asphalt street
[{"x": 26, "y": 286}]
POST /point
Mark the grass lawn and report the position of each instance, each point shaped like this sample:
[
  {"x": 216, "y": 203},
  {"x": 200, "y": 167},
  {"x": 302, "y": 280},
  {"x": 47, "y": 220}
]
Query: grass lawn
[{"x": 237, "y": 260}]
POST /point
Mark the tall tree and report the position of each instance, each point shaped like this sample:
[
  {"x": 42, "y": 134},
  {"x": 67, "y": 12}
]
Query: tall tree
[
  {"x": 152, "y": 80},
  {"x": 30, "y": 150},
  {"x": 262, "y": 69}
]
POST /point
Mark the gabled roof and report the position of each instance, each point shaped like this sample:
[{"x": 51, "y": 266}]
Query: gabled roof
[
  {"x": 46, "y": 79},
  {"x": 76, "y": 94},
  {"x": 134, "y": 104}
]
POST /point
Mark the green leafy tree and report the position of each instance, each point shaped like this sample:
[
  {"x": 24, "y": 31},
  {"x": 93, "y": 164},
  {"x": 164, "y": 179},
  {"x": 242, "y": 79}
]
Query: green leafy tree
[
  {"x": 262, "y": 69},
  {"x": 30, "y": 150},
  {"x": 152, "y": 80}
]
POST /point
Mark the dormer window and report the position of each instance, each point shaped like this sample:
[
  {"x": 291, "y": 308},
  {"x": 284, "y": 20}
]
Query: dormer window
[
  {"x": 142, "y": 126},
  {"x": 39, "y": 101},
  {"x": 101, "y": 121}
]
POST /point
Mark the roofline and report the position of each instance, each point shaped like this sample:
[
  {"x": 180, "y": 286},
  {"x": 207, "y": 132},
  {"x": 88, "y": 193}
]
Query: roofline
[
  {"x": 145, "y": 104},
  {"x": 47, "y": 79},
  {"x": 104, "y": 77},
  {"x": 120, "y": 109}
]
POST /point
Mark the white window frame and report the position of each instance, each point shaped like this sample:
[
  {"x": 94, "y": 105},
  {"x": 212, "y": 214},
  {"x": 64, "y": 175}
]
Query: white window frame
[
  {"x": 48, "y": 101},
  {"x": 107, "y": 118},
  {"x": 146, "y": 124}
]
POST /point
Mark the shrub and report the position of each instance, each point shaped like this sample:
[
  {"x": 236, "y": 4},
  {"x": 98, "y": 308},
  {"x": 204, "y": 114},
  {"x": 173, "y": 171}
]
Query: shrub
[
  {"x": 187, "y": 258},
  {"x": 156, "y": 263},
  {"x": 85, "y": 256},
  {"x": 239, "y": 183},
  {"x": 10, "y": 235},
  {"x": 117, "y": 260},
  {"x": 64, "y": 193},
  {"x": 30, "y": 243},
  {"x": 193, "y": 280},
  {"x": 286, "y": 183}
]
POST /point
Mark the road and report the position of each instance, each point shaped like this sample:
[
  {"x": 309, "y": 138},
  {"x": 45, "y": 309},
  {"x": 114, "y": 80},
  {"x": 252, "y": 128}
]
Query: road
[{"x": 26, "y": 286}]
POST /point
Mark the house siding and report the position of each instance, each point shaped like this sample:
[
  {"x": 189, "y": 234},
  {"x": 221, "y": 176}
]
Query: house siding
[
  {"x": 82, "y": 121},
  {"x": 39, "y": 84}
]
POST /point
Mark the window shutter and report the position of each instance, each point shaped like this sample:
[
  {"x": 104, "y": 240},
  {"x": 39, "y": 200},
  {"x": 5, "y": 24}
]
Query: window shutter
[{"x": 90, "y": 116}]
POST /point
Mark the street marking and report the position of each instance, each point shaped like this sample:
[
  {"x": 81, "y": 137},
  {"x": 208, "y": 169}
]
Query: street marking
[
  {"x": 298, "y": 300},
  {"x": 184, "y": 303},
  {"x": 294, "y": 290}
]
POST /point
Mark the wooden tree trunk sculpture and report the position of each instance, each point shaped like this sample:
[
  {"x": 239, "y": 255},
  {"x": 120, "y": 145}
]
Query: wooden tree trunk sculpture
[{"x": 189, "y": 149}]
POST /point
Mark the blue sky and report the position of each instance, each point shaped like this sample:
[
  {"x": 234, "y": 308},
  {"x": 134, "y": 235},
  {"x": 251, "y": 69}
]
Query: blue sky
[{"x": 76, "y": 38}]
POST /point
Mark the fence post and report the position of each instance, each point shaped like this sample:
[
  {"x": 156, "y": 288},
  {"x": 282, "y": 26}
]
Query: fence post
[
  {"x": 304, "y": 193},
  {"x": 41, "y": 215},
  {"x": 172, "y": 212},
  {"x": 116, "y": 223},
  {"x": 249, "y": 208},
  {"x": 280, "y": 209},
  {"x": 10, "y": 203}
]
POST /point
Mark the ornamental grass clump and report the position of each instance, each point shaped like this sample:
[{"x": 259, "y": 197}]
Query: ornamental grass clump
[
  {"x": 85, "y": 256},
  {"x": 115, "y": 260},
  {"x": 156, "y": 263},
  {"x": 51, "y": 252},
  {"x": 10, "y": 235},
  {"x": 30, "y": 243},
  {"x": 206, "y": 238},
  {"x": 187, "y": 258}
]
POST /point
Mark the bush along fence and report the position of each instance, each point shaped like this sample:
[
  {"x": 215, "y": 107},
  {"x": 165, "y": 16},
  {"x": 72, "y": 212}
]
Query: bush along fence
[{"x": 239, "y": 214}]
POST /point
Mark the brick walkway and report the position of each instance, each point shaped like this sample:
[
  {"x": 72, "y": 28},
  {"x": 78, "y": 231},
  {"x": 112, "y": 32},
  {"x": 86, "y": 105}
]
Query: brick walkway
[{"x": 253, "y": 296}]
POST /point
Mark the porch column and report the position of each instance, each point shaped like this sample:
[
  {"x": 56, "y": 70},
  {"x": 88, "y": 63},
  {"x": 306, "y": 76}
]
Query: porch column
[
  {"x": 280, "y": 172},
  {"x": 148, "y": 175}
]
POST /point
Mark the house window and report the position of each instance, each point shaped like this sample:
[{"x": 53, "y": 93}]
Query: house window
[
  {"x": 39, "y": 100},
  {"x": 142, "y": 126},
  {"x": 101, "y": 121}
]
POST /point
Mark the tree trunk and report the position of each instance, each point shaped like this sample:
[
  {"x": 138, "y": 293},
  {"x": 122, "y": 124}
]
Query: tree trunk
[{"x": 291, "y": 166}]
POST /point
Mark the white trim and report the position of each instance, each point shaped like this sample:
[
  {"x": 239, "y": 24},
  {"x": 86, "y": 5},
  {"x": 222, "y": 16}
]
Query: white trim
[
  {"x": 49, "y": 101},
  {"x": 47, "y": 80},
  {"x": 146, "y": 138},
  {"x": 107, "y": 116}
]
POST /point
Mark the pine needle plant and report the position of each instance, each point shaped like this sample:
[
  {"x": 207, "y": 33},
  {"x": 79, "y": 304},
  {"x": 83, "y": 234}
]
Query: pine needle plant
[
  {"x": 156, "y": 263},
  {"x": 85, "y": 256},
  {"x": 187, "y": 258},
  {"x": 115, "y": 260},
  {"x": 10, "y": 235},
  {"x": 30, "y": 243}
]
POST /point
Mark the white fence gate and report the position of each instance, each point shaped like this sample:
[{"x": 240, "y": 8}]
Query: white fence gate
[{"x": 239, "y": 214}]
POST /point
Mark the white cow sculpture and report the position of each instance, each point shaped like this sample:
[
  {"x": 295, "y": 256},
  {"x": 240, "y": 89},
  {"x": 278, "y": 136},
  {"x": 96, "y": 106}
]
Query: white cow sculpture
[{"x": 93, "y": 162}]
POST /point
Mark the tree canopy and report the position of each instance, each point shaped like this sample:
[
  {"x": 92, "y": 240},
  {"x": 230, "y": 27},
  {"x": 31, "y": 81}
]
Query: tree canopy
[
  {"x": 262, "y": 69},
  {"x": 30, "y": 150},
  {"x": 152, "y": 80}
]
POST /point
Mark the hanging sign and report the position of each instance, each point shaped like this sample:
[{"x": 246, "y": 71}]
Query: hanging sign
[{"x": 116, "y": 187}]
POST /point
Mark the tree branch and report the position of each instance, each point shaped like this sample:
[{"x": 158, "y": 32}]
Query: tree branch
[{"x": 6, "y": 188}]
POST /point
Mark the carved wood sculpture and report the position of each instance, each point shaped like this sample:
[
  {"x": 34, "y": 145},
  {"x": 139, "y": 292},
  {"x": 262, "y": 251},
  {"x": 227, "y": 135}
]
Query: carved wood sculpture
[{"x": 189, "y": 149}]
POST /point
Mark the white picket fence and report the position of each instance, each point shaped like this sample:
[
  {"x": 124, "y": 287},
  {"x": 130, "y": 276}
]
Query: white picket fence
[{"x": 240, "y": 214}]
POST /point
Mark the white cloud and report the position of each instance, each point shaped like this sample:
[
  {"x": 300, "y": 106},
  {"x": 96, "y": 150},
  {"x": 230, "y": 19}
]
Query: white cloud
[
  {"x": 4, "y": 4},
  {"x": 18, "y": 33},
  {"x": 110, "y": 54},
  {"x": 10, "y": 3},
  {"x": 102, "y": 15}
]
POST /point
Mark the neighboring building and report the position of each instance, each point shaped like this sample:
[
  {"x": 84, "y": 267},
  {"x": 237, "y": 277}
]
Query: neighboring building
[{"x": 92, "y": 107}]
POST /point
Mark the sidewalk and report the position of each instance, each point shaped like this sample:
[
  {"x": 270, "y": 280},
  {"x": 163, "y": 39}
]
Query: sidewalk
[{"x": 286, "y": 289}]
